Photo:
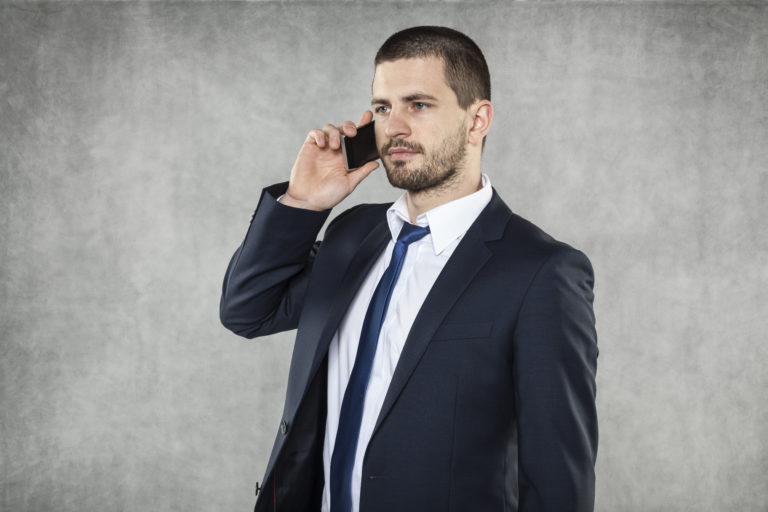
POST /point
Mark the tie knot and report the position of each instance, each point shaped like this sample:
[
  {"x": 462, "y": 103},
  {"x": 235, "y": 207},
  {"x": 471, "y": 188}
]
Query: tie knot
[{"x": 410, "y": 233}]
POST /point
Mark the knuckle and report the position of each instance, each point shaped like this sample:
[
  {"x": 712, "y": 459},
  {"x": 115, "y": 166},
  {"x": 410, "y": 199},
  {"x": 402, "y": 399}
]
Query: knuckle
[{"x": 317, "y": 136}]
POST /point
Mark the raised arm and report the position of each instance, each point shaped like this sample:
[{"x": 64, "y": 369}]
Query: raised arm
[{"x": 267, "y": 277}]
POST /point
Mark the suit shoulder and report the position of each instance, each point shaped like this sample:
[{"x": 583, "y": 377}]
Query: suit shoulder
[
  {"x": 545, "y": 260},
  {"x": 521, "y": 232}
]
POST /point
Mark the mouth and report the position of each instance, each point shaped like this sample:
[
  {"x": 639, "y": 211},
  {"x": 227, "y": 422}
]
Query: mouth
[{"x": 401, "y": 153}]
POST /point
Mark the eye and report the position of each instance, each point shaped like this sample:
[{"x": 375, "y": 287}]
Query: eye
[
  {"x": 420, "y": 105},
  {"x": 381, "y": 109}
]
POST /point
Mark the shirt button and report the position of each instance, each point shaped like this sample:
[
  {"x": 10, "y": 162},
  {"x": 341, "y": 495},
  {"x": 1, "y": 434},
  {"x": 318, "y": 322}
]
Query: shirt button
[{"x": 283, "y": 427}]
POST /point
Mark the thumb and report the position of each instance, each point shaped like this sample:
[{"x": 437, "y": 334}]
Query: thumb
[{"x": 359, "y": 174}]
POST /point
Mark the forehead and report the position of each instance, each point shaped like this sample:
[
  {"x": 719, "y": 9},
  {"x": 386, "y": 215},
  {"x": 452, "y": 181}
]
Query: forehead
[{"x": 403, "y": 77}]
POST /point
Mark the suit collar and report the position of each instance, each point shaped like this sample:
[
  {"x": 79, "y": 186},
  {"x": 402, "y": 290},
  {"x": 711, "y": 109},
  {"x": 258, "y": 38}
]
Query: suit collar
[{"x": 493, "y": 220}]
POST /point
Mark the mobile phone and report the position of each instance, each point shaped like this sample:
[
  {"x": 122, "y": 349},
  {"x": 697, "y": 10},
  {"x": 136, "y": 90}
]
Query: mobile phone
[{"x": 361, "y": 148}]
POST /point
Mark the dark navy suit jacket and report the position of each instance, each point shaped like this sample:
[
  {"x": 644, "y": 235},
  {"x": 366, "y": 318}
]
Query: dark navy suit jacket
[{"x": 492, "y": 403}]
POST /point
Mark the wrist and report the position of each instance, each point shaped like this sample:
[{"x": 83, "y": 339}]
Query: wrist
[{"x": 288, "y": 200}]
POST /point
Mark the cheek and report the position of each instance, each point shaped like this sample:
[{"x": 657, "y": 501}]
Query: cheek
[
  {"x": 431, "y": 138},
  {"x": 379, "y": 132}
]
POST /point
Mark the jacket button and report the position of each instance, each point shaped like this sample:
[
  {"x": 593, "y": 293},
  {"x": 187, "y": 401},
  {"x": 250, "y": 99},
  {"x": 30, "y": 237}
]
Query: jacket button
[{"x": 283, "y": 427}]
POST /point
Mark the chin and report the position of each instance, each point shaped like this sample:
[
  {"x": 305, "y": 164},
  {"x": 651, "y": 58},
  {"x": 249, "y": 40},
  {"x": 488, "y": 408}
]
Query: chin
[
  {"x": 418, "y": 180},
  {"x": 397, "y": 173}
]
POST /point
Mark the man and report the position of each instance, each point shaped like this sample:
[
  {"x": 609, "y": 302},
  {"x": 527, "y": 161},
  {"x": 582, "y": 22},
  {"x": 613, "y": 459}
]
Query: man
[{"x": 446, "y": 352}]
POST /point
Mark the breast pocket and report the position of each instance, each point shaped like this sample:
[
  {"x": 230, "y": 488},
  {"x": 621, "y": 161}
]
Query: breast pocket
[{"x": 463, "y": 331}]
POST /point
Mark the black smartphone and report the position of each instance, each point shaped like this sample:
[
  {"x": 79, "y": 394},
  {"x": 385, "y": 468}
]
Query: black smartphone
[{"x": 361, "y": 148}]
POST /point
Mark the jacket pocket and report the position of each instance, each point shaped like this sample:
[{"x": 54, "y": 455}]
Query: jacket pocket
[{"x": 463, "y": 331}]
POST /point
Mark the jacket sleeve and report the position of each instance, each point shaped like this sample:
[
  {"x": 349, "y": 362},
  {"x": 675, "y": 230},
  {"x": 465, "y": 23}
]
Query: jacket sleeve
[
  {"x": 267, "y": 276},
  {"x": 556, "y": 361}
]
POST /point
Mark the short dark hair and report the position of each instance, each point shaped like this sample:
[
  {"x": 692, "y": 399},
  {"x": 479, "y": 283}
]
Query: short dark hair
[{"x": 466, "y": 71}]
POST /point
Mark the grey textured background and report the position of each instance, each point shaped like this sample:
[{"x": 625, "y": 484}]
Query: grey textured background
[{"x": 135, "y": 139}]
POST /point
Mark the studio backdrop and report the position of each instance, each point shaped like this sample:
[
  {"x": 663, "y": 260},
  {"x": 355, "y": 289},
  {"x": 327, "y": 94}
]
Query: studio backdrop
[{"x": 135, "y": 139}]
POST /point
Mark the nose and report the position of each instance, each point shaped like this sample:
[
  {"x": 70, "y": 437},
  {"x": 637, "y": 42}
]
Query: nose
[{"x": 397, "y": 125}]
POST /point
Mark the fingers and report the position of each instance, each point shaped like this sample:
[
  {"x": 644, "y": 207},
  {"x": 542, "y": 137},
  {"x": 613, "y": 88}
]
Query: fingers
[
  {"x": 348, "y": 128},
  {"x": 317, "y": 137},
  {"x": 366, "y": 118},
  {"x": 330, "y": 135},
  {"x": 333, "y": 136}
]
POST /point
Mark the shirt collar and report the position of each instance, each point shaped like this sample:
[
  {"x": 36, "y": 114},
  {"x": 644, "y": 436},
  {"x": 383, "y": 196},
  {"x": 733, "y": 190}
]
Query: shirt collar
[{"x": 446, "y": 222}]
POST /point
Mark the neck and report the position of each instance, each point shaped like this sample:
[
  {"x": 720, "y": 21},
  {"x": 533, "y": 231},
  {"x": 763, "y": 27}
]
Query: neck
[{"x": 467, "y": 182}]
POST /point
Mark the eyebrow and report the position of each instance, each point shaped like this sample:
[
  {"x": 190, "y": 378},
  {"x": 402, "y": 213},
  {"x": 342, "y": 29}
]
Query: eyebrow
[{"x": 406, "y": 99}]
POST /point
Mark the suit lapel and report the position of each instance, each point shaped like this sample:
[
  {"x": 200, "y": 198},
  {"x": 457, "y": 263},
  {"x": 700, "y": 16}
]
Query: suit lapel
[
  {"x": 466, "y": 261},
  {"x": 323, "y": 316},
  {"x": 355, "y": 273}
]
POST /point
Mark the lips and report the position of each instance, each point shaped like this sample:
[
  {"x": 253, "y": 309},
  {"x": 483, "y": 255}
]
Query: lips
[{"x": 401, "y": 153}]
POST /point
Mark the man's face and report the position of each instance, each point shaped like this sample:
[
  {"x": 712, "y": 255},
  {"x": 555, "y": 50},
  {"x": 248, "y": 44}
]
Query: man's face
[{"x": 421, "y": 131}]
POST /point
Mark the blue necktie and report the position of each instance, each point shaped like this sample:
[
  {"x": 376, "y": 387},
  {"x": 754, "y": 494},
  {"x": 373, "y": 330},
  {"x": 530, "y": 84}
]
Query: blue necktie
[{"x": 343, "y": 458}]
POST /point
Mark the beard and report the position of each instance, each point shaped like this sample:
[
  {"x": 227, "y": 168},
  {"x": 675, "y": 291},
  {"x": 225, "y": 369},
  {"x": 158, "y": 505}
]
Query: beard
[{"x": 439, "y": 169}]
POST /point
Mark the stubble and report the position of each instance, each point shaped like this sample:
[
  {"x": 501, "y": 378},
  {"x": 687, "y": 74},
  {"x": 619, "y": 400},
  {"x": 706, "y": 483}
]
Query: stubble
[{"x": 439, "y": 170}]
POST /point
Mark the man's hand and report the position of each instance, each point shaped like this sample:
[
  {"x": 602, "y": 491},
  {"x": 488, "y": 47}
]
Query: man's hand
[{"x": 319, "y": 179}]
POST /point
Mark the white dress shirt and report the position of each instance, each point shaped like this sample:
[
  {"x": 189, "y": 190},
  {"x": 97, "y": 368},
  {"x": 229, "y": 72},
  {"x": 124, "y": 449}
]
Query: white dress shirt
[{"x": 424, "y": 261}]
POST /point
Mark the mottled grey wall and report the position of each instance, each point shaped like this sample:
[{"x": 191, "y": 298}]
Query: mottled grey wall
[{"x": 135, "y": 139}]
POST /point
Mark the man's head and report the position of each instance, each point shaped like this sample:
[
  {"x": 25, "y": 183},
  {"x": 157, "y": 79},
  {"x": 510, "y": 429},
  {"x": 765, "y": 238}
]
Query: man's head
[
  {"x": 465, "y": 70},
  {"x": 431, "y": 102}
]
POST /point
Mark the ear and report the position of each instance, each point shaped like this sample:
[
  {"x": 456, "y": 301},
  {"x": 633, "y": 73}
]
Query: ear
[{"x": 482, "y": 117}]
